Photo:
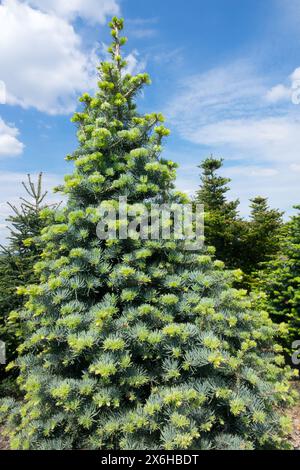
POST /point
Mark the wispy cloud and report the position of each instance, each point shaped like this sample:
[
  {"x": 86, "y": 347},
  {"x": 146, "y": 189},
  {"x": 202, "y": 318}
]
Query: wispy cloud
[
  {"x": 234, "y": 112},
  {"x": 286, "y": 92},
  {"x": 95, "y": 11},
  {"x": 229, "y": 109},
  {"x": 141, "y": 28},
  {"x": 10, "y": 145},
  {"x": 135, "y": 65},
  {"x": 272, "y": 139},
  {"x": 144, "y": 33}
]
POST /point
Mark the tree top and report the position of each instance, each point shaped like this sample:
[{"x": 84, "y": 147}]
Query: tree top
[{"x": 117, "y": 25}]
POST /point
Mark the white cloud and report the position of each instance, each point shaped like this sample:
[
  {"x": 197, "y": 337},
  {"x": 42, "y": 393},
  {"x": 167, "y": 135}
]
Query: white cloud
[
  {"x": 295, "y": 75},
  {"x": 271, "y": 139},
  {"x": 225, "y": 92},
  {"x": 134, "y": 65},
  {"x": 45, "y": 67},
  {"x": 95, "y": 11},
  {"x": 227, "y": 112},
  {"x": 172, "y": 57},
  {"x": 251, "y": 170},
  {"x": 41, "y": 61},
  {"x": 142, "y": 27},
  {"x": 10, "y": 145},
  {"x": 2, "y": 92},
  {"x": 143, "y": 33},
  {"x": 279, "y": 93},
  {"x": 295, "y": 167},
  {"x": 286, "y": 93},
  {"x": 142, "y": 21},
  {"x": 11, "y": 190}
]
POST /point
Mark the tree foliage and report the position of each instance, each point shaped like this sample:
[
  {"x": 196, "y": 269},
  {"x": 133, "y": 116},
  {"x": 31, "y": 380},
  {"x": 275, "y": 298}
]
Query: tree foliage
[
  {"x": 223, "y": 225},
  {"x": 17, "y": 260},
  {"x": 137, "y": 344},
  {"x": 240, "y": 243},
  {"x": 263, "y": 234},
  {"x": 280, "y": 281}
]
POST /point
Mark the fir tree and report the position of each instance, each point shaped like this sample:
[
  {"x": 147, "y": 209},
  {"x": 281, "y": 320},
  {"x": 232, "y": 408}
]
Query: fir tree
[
  {"x": 17, "y": 260},
  {"x": 138, "y": 344},
  {"x": 223, "y": 227},
  {"x": 264, "y": 229},
  {"x": 214, "y": 188},
  {"x": 280, "y": 280},
  {"x": 240, "y": 243}
]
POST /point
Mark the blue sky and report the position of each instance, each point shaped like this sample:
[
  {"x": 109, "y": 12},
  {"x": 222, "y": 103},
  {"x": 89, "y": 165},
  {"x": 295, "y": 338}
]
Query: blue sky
[{"x": 226, "y": 74}]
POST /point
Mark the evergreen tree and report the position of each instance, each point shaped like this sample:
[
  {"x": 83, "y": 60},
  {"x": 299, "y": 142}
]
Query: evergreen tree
[
  {"x": 214, "y": 188},
  {"x": 17, "y": 261},
  {"x": 280, "y": 280},
  {"x": 243, "y": 244},
  {"x": 263, "y": 235},
  {"x": 138, "y": 344},
  {"x": 223, "y": 226}
]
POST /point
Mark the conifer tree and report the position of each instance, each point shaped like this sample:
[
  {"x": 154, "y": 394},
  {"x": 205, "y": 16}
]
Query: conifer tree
[
  {"x": 263, "y": 236},
  {"x": 240, "y": 243},
  {"x": 223, "y": 227},
  {"x": 280, "y": 280},
  {"x": 138, "y": 344},
  {"x": 17, "y": 260}
]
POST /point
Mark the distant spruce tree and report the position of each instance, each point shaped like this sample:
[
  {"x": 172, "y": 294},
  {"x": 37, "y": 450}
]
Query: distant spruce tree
[
  {"x": 224, "y": 229},
  {"x": 240, "y": 243},
  {"x": 280, "y": 280},
  {"x": 138, "y": 344},
  {"x": 263, "y": 236},
  {"x": 17, "y": 260}
]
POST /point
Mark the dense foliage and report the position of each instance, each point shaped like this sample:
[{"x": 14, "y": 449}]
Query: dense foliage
[
  {"x": 17, "y": 260},
  {"x": 240, "y": 243},
  {"x": 263, "y": 235},
  {"x": 138, "y": 344},
  {"x": 223, "y": 226},
  {"x": 280, "y": 281}
]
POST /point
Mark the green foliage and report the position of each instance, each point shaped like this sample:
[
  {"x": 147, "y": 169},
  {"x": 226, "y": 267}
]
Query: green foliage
[
  {"x": 263, "y": 234},
  {"x": 138, "y": 344},
  {"x": 17, "y": 261},
  {"x": 243, "y": 244},
  {"x": 223, "y": 226},
  {"x": 280, "y": 281}
]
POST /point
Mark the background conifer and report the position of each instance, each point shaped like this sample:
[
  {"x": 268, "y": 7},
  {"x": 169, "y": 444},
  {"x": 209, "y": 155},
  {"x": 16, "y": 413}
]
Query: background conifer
[
  {"x": 280, "y": 280},
  {"x": 223, "y": 226},
  {"x": 241, "y": 243},
  {"x": 17, "y": 260}
]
